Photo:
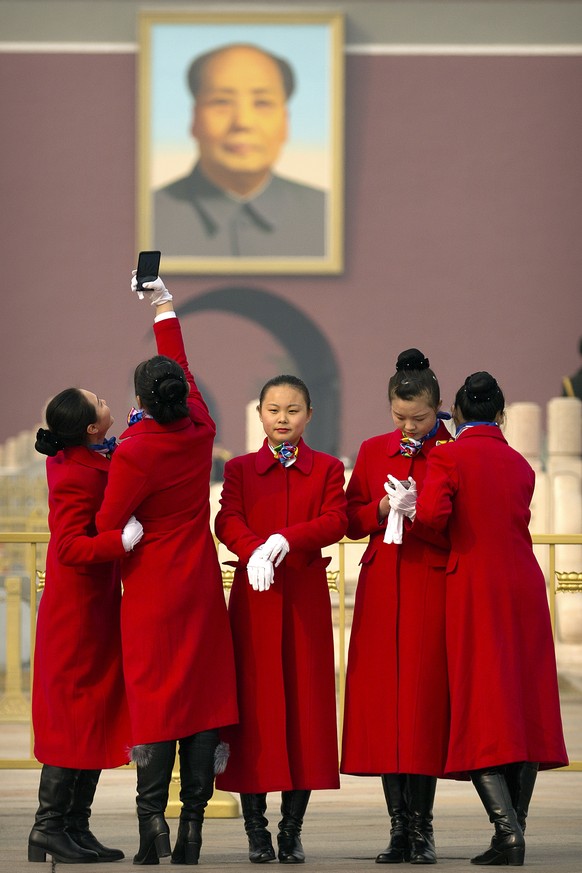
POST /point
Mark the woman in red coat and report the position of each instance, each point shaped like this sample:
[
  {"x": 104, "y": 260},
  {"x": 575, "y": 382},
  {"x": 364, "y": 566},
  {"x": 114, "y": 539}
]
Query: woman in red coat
[
  {"x": 396, "y": 712},
  {"x": 79, "y": 710},
  {"x": 177, "y": 647},
  {"x": 279, "y": 507},
  {"x": 505, "y": 709}
]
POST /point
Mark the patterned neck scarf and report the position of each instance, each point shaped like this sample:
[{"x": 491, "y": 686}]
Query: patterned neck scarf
[
  {"x": 285, "y": 453},
  {"x": 107, "y": 447},
  {"x": 134, "y": 415},
  {"x": 409, "y": 447}
]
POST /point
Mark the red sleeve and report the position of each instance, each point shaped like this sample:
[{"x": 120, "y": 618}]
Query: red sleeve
[
  {"x": 170, "y": 343},
  {"x": 362, "y": 506},
  {"x": 74, "y": 500},
  {"x": 230, "y": 524},
  {"x": 330, "y": 524},
  {"x": 435, "y": 501}
]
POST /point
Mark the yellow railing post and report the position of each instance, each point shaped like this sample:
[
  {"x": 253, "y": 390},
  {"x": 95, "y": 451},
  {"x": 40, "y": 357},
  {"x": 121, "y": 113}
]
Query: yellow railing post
[{"x": 14, "y": 706}]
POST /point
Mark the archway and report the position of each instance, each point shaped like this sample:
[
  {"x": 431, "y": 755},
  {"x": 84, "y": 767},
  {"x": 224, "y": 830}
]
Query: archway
[{"x": 315, "y": 361}]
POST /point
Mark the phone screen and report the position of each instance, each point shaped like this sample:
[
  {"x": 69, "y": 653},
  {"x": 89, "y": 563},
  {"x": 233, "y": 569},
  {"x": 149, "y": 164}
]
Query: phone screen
[{"x": 148, "y": 267}]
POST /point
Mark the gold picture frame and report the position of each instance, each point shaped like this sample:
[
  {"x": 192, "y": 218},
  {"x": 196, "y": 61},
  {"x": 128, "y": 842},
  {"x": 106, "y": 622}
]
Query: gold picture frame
[{"x": 292, "y": 223}]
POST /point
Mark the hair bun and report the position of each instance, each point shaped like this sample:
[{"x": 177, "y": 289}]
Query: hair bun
[
  {"x": 47, "y": 443},
  {"x": 481, "y": 387},
  {"x": 169, "y": 389},
  {"x": 412, "y": 359}
]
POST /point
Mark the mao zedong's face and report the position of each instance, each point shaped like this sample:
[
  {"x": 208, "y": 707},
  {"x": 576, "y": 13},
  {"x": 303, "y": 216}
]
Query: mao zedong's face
[{"x": 240, "y": 118}]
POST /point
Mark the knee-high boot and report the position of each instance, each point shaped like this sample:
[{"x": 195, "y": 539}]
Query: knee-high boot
[
  {"x": 293, "y": 806},
  {"x": 254, "y": 807},
  {"x": 79, "y": 813},
  {"x": 48, "y": 835},
  {"x": 420, "y": 792},
  {"x": 154, "y": 772},
  {"x": 196, "y": 789},
  {"x": 398, "y": 849},
  {"x": 521, "y": 779},
  {"x": 507, "y": 845}
]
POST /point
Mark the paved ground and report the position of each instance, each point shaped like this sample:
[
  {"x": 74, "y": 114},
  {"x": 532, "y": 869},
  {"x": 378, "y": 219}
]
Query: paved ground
[{"x": 343, "y": 830}]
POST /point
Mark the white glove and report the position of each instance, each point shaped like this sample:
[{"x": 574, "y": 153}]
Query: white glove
[
  {"x": 131, "y": 533},
  {"x": 260, "y": 571},
  {"x": 275, "y": 548},
  {"x": 394, "y": 525},
  {"x": 402, "y": 499},
  {"x": 156, "y": 290}
]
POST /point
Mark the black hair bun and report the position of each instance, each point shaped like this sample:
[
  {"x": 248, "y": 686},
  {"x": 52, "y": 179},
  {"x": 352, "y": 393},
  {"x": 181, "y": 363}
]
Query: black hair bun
[
  {"x": 481, "y": 387},
  {"x": 169, "y": 389},
  {"x": 412, "y": 359},
  {"x": 47, "y": 443}
]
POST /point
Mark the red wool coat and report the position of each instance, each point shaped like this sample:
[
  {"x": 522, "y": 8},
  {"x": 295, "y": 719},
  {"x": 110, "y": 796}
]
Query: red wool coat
[
  {"x": 396, "y": 710},
  {"x": 287, "y": 736},
  {"x": 79, "y": 710},
  {"x": 177, "y": 647},
  {"x": 500, "y": 651}
]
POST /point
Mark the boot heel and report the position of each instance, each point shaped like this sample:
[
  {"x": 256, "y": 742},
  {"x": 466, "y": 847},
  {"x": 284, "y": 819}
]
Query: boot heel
[
  {"x": 515, "y": 856},
  {"x": 35, "y": 853},
  {"x": 162, "y": 845},
  {"x": 191, "y": 853}
]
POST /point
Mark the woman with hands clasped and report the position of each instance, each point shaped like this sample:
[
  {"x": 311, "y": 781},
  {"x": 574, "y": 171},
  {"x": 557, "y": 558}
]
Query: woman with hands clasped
[
  {"x": 79, "y": 710},
  {"x": 505, "y": 710},
  {"x": 396, "y": 711},
  {"x": 279, "y": 507},
  {"x": 177, "y": 647}
]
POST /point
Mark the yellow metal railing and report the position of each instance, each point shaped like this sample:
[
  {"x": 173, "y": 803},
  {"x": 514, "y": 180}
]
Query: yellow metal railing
[{"x": 15, "y": 701}]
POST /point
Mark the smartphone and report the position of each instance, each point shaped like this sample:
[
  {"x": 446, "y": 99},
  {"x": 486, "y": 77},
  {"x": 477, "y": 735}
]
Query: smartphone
[
  {"x": 404, "y": 482},
  {"x": 148, "y": 268}
]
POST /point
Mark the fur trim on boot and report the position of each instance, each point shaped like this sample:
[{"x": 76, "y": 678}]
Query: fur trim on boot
[
  {"x": 221, "y": 754},
  {"x": 141, "y": 755}
]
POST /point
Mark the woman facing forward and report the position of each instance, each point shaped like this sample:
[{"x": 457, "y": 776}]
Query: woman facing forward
[
  {"x": 279, "y": 507},
  {"x": 505, "y": 710}
]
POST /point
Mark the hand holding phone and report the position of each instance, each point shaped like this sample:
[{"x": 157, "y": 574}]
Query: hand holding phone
[{"x": 148, "y": 268}]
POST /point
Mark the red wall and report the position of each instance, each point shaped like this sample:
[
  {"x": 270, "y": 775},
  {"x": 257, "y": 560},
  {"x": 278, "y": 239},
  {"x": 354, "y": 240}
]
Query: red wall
[{"x": 463, "y": 229}]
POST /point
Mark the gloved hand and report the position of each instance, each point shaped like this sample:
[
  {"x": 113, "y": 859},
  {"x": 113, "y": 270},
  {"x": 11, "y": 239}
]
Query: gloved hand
[
  {"x": 275, "y": 548},
  {"x": 156, "y": 290},
  {"x": 402, "y": 499},
  {"x": 260, "y": 571},
  {"x": 394, "y": 526},
  {"x": 131, "y": 533}
]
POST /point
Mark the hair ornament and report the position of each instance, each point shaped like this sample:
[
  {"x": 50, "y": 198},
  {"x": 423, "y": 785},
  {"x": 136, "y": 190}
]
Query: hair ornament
[
  {"x": 412, "y": 359},
  {"x": 481, "y": 387},
  {"x": 48, "y": 443}
]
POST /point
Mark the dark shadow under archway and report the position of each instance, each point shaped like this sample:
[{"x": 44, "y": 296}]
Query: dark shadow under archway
[{"x": 314, "y": 358}]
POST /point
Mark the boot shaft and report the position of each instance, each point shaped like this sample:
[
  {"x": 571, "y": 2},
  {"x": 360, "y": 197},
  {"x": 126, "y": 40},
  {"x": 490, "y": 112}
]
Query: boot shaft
[
  {"x": 55, "y": 795},
  {"x": 79, "y": 812},
  {"x": 154, "y": 773},
  {"x": 197, "y": 772}
]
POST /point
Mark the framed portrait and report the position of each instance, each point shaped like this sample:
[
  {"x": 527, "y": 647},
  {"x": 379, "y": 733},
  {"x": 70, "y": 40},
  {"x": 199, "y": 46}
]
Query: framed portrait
[{"x": 240, "y": 141}]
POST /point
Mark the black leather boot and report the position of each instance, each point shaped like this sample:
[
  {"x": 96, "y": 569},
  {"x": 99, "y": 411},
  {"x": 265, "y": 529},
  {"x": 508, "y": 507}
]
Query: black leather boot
[
  {"x": 261, "y": 848},
  {"x": 154, "y": 772},
  {"x": 79, "y": 813},
  {"x": 421, "y": 791},
  {"x": 521, "y": 779},
  {"x": 293, "y": 806},
  {"x": 398, "y": 849},
  {"x": 48, "y": 836},
  {"x": 196, "y": 789},
  {"x": 508, "y": 844}
]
